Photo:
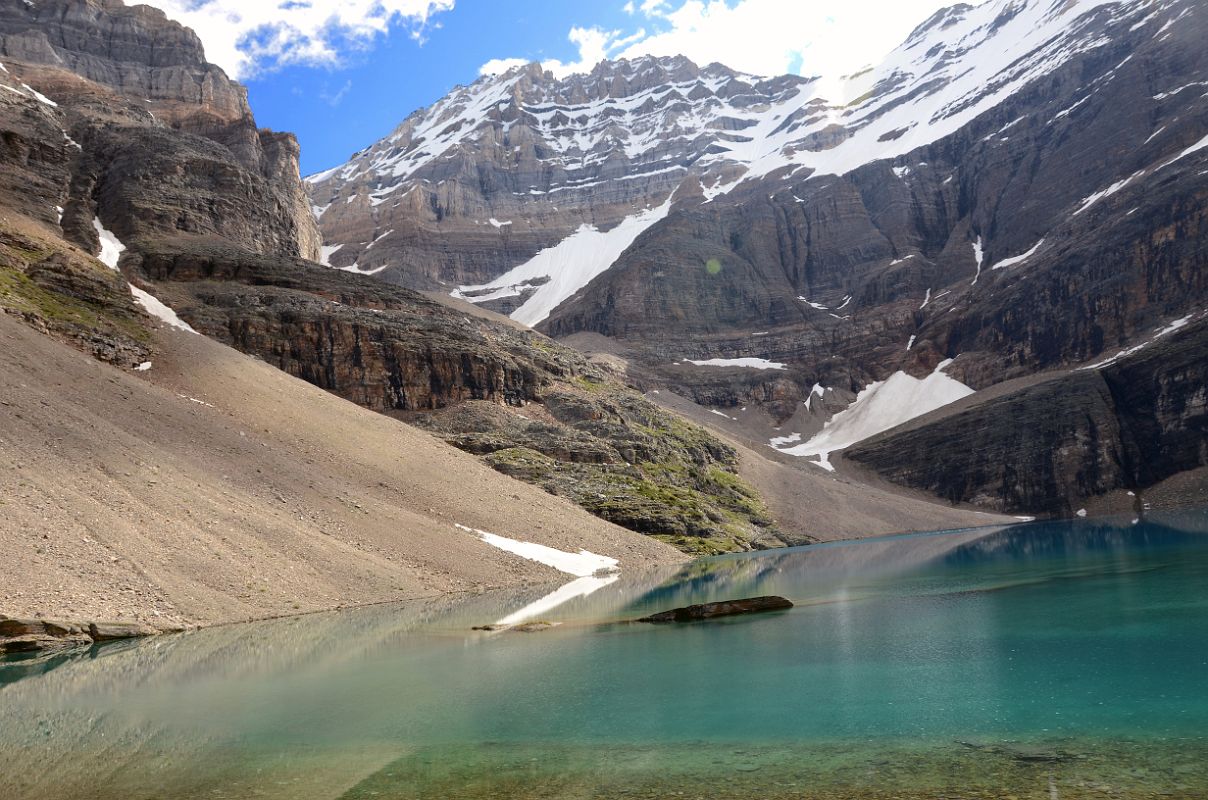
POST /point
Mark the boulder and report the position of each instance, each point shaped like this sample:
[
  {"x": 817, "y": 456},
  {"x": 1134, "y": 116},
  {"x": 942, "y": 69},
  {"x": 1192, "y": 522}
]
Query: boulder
[
  {"x": 726, "y": 608},
  {"x": 111, "y": 631}
]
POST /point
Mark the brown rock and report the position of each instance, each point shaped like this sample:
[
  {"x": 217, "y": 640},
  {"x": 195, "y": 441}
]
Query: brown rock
[
  {"x": 725, "y": 608},
  {"x": 535, "y": 627},
  {"x": 111, "y": 631},
  {"x": 22, "y": 627},
  {"x": 36, "y": 635}
]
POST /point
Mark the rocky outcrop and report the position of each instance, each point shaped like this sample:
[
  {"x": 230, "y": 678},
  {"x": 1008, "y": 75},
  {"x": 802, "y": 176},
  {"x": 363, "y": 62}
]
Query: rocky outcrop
[
  {"x": 622, "y": 458},
  {"x": 64, "y": 293},
  {"x": 154, "y": 139},
  {"x": 380, "y": 346},
  {"x": 43, "y": 636},
  {"x": 135, "y": 51},
  {"x": 1052, "y": 447}
]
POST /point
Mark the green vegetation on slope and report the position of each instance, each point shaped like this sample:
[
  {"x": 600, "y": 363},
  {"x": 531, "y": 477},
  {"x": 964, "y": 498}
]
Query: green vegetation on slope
[
  {"x": 620, "y": 457},
  {"x": 71, "y": 296}
]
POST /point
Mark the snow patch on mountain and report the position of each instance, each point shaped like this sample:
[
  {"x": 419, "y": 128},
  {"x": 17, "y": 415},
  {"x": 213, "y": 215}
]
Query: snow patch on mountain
[
  {"x": 1158, "y": 334},
  {"x": 1019, "y": 259},
  {"x": 751, "y": 363},
  {"x": 568, "y": 266},
  {"x": 879, "y": 407}
]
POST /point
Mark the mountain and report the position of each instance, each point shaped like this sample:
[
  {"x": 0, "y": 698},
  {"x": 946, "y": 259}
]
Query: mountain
[
  {"x": 163, "y": 478},
  {"x": 1017, "y": 190}
]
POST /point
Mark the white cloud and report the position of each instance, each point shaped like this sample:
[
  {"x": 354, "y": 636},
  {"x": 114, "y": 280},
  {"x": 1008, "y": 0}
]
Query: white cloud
[
  {"x": 244, "y": 36},
  {"x": 761, "y": 37},
  {"x": 334, "y": 99},
  {"x": 498, "y": 66}
]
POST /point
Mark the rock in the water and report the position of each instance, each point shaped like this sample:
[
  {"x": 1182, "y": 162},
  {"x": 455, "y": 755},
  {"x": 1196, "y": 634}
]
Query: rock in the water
[
  {"x": 524, "y": 627},
  {"x": 535, "y": 627},
  {"x": 726, "y": 608},
  {"x": 110, "y": 631}
]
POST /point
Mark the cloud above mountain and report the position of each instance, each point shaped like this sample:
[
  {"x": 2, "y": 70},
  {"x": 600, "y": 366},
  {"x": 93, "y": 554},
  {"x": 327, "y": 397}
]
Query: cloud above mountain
[
  {"x": 762, "y": 37},
  {"x": 245, "y": 37}
]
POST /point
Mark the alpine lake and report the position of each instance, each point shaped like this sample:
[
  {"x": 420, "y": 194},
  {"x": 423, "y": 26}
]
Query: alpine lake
[{"x": 1043, "y": 660}]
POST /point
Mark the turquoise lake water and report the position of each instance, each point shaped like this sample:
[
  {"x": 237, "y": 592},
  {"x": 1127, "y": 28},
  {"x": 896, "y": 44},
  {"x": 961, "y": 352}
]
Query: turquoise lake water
[{"x": 1042, "y": 660}]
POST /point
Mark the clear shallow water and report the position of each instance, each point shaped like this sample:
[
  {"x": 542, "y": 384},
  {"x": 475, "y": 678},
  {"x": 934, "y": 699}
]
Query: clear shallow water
[{"x": 1054, "y": 660}]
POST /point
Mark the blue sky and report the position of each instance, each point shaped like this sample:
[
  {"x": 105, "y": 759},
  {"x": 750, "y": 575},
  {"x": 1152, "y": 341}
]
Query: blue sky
[{"x": 343, "y": 73}]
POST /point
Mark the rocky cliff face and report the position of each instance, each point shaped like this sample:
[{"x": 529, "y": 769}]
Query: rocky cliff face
[
  {"x": 531, "y": 408},
  {"x": 1059, "y": 223},
  {"x": 383, "y": 347},
  {"x": 157, "y": 140},
  {"x": 1066, "y": 441},
  {"x": 465, "y": 190}
]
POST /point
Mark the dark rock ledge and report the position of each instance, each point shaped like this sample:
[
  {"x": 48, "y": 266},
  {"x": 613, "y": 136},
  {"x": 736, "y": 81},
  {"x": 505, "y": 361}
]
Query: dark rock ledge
[
  {"x": 726, "y": 608},
  {"x": 43, "y": 635}
]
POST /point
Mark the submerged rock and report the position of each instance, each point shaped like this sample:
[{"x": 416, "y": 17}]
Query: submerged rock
[
  {"x": 524, "y": 627},
  {"x": 535, "y": 627},
  {"x": 726, "y": 608}
]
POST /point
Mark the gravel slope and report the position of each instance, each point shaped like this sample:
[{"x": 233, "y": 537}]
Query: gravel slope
[{"x": 213, "y": 488}]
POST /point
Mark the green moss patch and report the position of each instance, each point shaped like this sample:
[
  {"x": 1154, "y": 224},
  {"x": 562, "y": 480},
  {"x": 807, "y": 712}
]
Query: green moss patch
[
  {"x": 71, "y": 296},
  {"x": 622, "y": 458}
]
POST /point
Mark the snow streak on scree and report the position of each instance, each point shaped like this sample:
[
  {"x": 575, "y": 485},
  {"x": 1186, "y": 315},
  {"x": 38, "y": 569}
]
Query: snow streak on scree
[
  {"x": 110, "y": 255},
  {"x": 879, "y": 407},
  {"x": 582, "y": 564}
]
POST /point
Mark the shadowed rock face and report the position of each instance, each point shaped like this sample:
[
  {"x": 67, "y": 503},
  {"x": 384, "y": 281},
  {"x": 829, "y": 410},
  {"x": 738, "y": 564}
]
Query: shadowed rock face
[
  {"x": 383, "y": 347},
  {"x": 165, "y": 142},
  {"x": 1049, "y": 448}
]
